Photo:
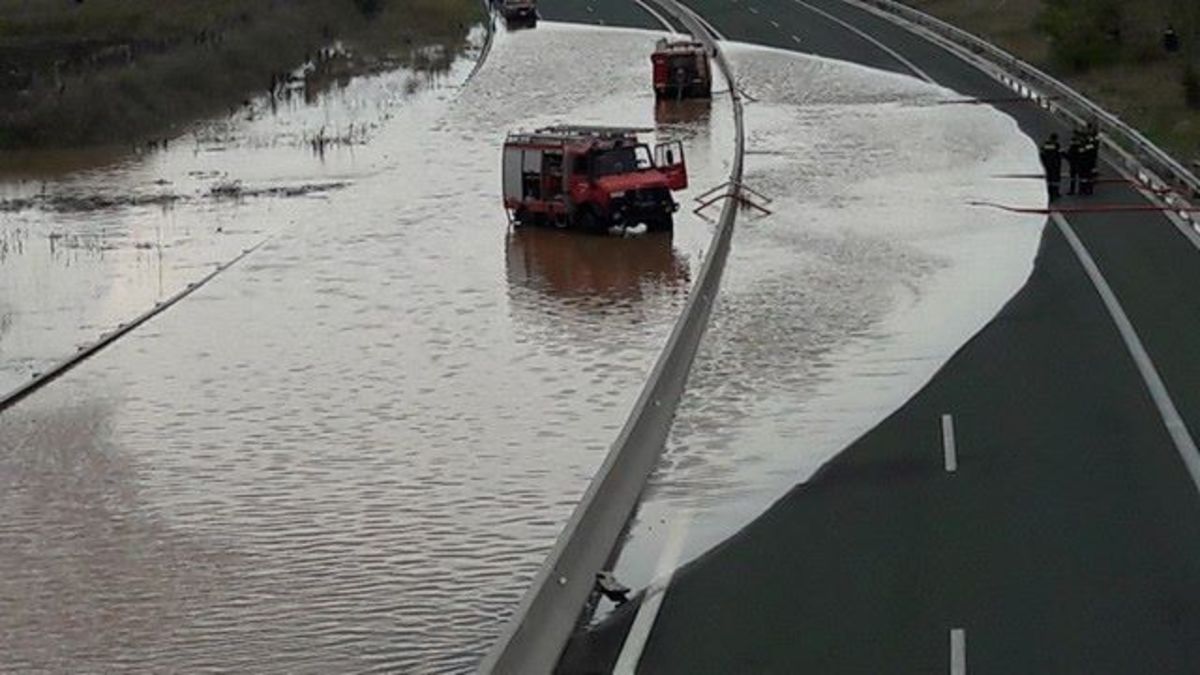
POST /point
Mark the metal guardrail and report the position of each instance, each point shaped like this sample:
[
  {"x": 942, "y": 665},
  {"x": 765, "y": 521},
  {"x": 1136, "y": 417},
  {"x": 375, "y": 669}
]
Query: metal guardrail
[
  {"x": 86, "y": 352},
  {"x": 535, "y": 636},
  {"x": 489, "y": 24},
  {"x": 1140, "y": 156}
]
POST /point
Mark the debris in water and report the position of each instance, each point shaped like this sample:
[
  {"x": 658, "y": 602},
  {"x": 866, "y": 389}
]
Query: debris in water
[{"x": 76, "y": 203}]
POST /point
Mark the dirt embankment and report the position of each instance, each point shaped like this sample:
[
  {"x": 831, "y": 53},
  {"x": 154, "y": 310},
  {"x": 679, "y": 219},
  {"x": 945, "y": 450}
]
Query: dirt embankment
[
  {"x": 1115, "y": 51},
  {"x": 75, "y": 72}
]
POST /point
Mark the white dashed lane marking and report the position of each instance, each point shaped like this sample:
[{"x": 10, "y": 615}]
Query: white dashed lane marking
[
  {"x": 958, "y": 652},
  {"x": 948, "y": 447}
]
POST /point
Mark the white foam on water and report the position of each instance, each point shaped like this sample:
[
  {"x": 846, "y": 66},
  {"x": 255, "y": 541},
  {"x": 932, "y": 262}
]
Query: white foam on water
[{"x": 872, "y": 271}]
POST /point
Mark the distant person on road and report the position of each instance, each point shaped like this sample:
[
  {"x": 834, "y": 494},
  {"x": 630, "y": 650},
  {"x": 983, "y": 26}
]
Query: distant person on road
[
  {"x": 1091, "y": 159},
  {"x": 1051, "y": 156},
  {"x": 1074, "y": 162},
  {"x": 1170, "y": 40}
]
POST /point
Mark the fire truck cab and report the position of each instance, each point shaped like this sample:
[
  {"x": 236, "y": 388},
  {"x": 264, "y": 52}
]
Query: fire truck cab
[
  {"x": 591, "y": 178},
  {"x": 681, "y": 69}
]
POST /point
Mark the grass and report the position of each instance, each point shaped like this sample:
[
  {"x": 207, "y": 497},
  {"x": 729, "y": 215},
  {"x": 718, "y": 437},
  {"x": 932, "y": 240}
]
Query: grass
[
  {"x": 1110, "y": 50},
  {"x": 116, "y": 71}
]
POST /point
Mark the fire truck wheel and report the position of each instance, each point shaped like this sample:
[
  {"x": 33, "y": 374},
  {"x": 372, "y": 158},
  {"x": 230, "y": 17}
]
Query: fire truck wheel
[
  {"x": 521, "y": 216},
  {"x": 659, "y": 224},
  {"x": 586, "y": 220}
]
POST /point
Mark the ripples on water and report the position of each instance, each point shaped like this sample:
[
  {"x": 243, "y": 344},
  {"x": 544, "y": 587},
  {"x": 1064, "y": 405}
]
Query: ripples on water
[
  {"x": 83, "y": 251},
  {"x": 836, "y": 309},
  {"x": 350, "y": 452}
]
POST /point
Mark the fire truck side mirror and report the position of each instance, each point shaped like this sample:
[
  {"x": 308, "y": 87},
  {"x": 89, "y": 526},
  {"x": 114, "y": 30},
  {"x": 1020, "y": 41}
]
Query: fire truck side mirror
[{"x": 668, "y": 154}]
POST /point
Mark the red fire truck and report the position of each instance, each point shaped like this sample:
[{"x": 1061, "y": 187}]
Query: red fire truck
[
  {"x": 591, "y": 178},
  {"x": 681, "y": 69}
]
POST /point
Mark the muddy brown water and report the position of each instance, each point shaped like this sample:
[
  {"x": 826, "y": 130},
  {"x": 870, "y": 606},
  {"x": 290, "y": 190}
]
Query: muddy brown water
[{"x": 351, "y": 451}]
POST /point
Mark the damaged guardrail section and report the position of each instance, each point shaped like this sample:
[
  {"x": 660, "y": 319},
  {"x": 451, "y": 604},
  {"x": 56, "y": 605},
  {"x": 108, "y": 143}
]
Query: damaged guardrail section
[
  {"x": 535, "y": 636},
  {"x": 1140, "y": 157}
]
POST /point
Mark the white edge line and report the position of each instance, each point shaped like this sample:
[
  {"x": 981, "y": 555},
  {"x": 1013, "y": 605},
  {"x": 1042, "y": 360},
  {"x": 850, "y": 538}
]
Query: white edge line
[
  {"x": 958, "y": 651},
  {"x": 1158, "y": 391},
  {"x": 854, "y": 29},
  {"x": 643, "y": 622},
  {"x": 948, "y": 445}
]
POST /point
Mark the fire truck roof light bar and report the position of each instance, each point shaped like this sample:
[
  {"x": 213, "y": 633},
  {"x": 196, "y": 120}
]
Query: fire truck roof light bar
[
  {"x": 689, "y": 45},
  {"x": 584, "y": 130}
]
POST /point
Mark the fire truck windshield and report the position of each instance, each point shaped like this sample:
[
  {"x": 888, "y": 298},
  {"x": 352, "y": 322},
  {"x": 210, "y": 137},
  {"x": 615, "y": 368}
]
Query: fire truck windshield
[{"x": 622, "y": 160}]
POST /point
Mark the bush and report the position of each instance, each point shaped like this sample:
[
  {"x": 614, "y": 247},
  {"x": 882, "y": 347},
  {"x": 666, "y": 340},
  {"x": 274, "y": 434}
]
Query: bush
[
  {"x": 1191, "y": 86},
  {"x": 369, "y": 8},
  {"x": 1083, "y": 34},
  {"x": 227, "y": 51}
]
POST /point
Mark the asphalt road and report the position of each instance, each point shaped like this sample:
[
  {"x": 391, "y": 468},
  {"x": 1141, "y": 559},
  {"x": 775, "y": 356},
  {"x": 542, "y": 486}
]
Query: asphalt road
[
  {"x": 622, "y": 13},
  {"x": 1067, "y": 540}
]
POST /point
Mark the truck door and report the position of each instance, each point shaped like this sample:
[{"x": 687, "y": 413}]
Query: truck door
[
  {"x": 531, "y": 175},
  {"x": 668, "y": 158},
  {"x": 578, "y": 179},
  {"x": 659, "y": 62},
  {"x": 552, "y": 176}
]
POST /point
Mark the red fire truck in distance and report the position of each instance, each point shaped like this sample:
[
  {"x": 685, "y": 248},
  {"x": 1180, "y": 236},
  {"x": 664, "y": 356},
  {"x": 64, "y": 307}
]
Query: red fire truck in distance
[
  {"x": 591, "y": 178},
  {"x": 681, "y": 70}
]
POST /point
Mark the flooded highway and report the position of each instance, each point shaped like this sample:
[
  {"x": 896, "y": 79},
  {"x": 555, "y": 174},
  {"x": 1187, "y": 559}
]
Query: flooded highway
[
  {"x": 350, "y": 451},
  {"x": 872, "y": 271}
]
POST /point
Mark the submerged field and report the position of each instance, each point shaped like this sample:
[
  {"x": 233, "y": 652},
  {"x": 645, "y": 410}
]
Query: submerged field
[{"x": 121, "y": 71}]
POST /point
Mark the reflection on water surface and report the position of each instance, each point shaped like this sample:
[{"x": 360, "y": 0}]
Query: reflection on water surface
[
  {"x": 350, "y": 452},
  {"x": 568, "y": 264}
]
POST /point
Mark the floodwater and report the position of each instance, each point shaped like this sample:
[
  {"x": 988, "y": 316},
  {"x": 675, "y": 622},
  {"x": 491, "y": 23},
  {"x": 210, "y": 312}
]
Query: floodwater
[
  {"x": 835, "y": 310},
  {"x": 351, "y": 451}
]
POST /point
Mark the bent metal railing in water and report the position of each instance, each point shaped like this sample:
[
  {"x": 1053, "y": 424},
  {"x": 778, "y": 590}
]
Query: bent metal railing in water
[
  {"x": 1140, "y": 157},
  {"x": 534, "y": 637}
]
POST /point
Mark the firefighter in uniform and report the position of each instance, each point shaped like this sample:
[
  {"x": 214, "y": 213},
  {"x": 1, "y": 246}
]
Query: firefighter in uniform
[
  {"x": 1051, "y": 156},
  {"x": 1090, "y": 154},
  {"x": 1074, "y": 162}
]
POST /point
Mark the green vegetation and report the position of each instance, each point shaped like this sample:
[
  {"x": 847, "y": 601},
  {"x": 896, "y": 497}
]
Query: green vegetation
[
  {"x": 1083, "y": 35},
  {"x": 1115, "y": 51},
  {"x": 108, "y": 71}
]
